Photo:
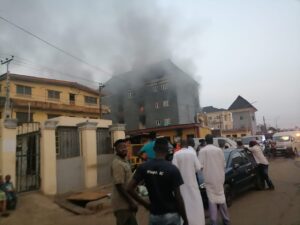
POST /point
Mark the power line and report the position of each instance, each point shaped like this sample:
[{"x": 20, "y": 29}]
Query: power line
[
  {"x": 56, "y": 47},
  {"x": 22, "y": 62},
  {"x": 43, "y": 69}
]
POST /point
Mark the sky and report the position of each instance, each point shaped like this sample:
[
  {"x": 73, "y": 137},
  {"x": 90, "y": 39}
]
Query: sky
[{"x": 247, "y": 48}]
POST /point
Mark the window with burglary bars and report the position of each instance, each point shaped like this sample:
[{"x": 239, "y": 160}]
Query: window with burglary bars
[
  {"x": 104, "y": 142},
  {"x": 67, "y": 142}
]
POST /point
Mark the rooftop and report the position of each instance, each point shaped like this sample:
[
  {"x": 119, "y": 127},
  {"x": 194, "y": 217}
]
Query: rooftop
[
  {"x": 241, "y": 103},
  {"x": 48, "y": 81}
]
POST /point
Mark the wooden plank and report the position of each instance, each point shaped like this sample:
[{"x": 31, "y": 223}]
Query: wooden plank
[
  {"x": 72, "y": 207},
  {"x": 87, "y": 196}
]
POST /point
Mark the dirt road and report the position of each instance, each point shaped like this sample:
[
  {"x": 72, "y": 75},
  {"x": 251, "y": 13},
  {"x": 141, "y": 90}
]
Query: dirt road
[{"x": 279, "y": 207}]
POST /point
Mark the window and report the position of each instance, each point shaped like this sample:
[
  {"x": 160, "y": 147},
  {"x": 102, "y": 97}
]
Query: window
[
  {"x": 156, "y": 105},
  {"x": 90, "y": 100},
  {"x": 243, "y": 135},
  {"x": 53, "y": 95},
  {"x": 157, "y": 122},
  {"x": 23, "y": 90},
  {"x": 241, "y": 117},
  {"x": 142, "y": 119},
  {"x": 0, "y": 88},
  {"x": 164, "y": 87},
  {"x": 165, "y": 103},
  {"x": 23, "y": 117},
  {"x": 167, "y": 121},
  {"x": 225, "y": 117},
  {"x": 253, "y": 118},
  {"x": 155, "y": 88},
  {"x": 237, "y": 159},
  {"x": 130, "y": 93},
  {"x": 72, "y": 99}
]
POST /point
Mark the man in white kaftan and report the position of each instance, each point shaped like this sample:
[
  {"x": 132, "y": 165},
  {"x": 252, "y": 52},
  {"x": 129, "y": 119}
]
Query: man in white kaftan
[
  {"x": 213, "y": 167},
  {"x": 188, "y": 164}
]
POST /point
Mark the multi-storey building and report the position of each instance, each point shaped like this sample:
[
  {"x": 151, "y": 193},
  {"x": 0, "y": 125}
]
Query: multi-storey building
[
  {"x": 158, "y": 95},
  {"x": 220, "y": 119},
  {"x": 243, "y": 114},
  {"x": 35, "y": 99}
]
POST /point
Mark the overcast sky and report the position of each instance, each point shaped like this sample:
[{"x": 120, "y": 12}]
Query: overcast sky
[{"x": 247, "y": 48}]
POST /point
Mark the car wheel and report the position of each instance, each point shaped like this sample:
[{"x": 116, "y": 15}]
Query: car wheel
[{"x": 228, "y": 195}]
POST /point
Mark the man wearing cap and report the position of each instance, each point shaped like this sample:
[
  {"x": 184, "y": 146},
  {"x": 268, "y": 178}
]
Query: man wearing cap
[{"x": 162, "y": 180}]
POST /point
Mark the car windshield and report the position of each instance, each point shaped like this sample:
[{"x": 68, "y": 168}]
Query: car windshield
[
  {"x": 246, "y": 140},
  {"x": 281, "y": 138}
]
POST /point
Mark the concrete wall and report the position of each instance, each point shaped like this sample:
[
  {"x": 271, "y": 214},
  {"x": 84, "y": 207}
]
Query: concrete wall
[
  {"x": 244, "y": 120},
  {"x": 63, "y": 175},
  {"x": 8, "y": 148}
]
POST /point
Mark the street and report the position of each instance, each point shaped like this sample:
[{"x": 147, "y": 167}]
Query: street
[{"x": 279, "y": 207}]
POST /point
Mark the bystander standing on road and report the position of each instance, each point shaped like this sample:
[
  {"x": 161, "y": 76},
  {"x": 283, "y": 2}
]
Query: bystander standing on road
[
  {"x": 201, "y": 145},
  {"x": 188, "y": 164},
  {"x": 123, "y": 205},
  {"x": 148, "y": 148},
  {"x": 163, "y": 181},
  {"x": 213, "y": 166},
  {"x": 262, "y": 163}
]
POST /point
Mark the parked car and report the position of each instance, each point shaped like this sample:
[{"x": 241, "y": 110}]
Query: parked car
[
  {"x": 218, "y": 141},
  {"x": 260, "y": 139},
  {"x": 287, "y": 143},
  {"x": 240, "y": 175}
]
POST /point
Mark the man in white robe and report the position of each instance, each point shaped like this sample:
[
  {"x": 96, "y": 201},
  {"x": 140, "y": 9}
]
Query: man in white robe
[
  {"x": 213, "y": 167},
  {"x": 188, "y": 164}
]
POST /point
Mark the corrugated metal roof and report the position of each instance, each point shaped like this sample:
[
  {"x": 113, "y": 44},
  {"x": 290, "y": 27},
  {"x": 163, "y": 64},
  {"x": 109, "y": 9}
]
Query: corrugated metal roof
[{"x": 211, "y": 109}]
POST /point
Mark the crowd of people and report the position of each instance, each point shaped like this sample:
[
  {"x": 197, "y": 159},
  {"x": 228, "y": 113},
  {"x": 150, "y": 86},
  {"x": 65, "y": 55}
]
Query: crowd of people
[
  {"x": 173, "y": 190},
  {"x": 8, "y": 197}
]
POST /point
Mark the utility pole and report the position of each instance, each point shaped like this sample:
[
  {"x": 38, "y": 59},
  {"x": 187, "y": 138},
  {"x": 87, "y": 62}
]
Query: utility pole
[
  {"x": 7, "y": 113},
  {"x": 101, "y": 86},
  {"x": 265, "y": 125}
]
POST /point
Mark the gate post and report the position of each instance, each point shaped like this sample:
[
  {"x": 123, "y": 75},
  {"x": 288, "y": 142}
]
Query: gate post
[
  {"x": 88, "y": 146},
  {"x": 48, "y": 158},
  {"x": 117, "y": 132},
  {"x": 8, "y": 148}
]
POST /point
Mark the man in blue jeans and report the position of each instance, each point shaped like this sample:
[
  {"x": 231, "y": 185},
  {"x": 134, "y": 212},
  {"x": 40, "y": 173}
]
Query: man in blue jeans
[{"x": 162, "y": 180}]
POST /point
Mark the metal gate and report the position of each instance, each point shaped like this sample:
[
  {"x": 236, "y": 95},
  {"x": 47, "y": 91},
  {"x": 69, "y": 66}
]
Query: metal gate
[
  {"x": 69, "y": 164},
  {"x": 28, "y": 157}
]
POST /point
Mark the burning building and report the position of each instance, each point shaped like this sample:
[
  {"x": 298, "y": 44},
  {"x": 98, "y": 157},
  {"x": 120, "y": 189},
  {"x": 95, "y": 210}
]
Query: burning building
[{"x": 157, "y": 95}]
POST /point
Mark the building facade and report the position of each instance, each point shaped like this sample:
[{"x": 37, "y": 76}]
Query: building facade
[
  {"x": 34, "y": 99},
  {"x": 155, "y": 96},
  {"x": 220, "y": 119},
  {"x": 243, "y": 114}
]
